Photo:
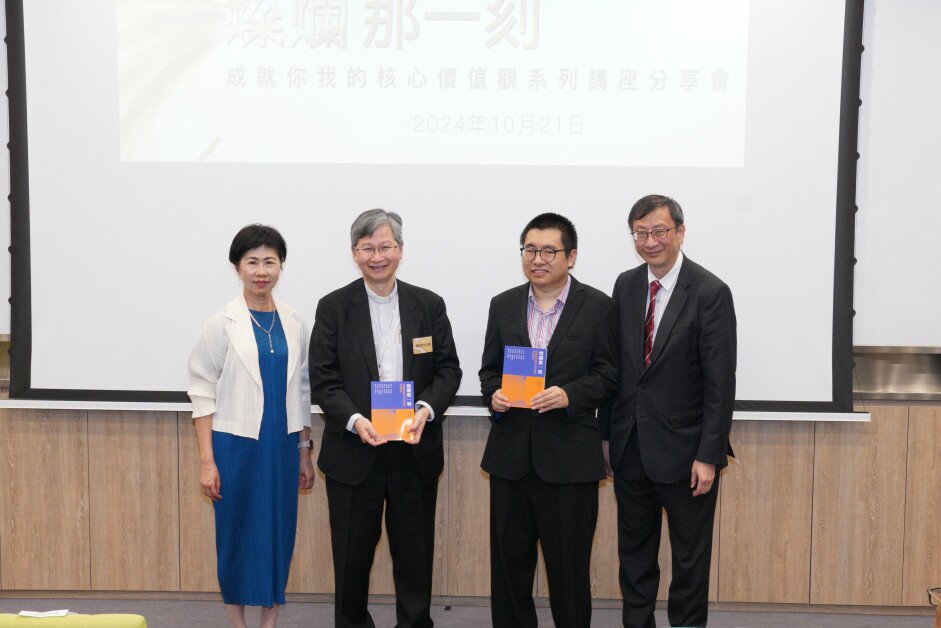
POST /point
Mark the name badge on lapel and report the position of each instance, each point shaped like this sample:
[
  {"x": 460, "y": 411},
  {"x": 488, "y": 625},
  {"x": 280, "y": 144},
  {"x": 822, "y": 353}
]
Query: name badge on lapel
[{"x": 421, "y": 345}]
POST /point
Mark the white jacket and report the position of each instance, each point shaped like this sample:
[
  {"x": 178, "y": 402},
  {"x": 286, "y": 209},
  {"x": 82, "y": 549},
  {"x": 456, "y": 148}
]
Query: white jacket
[{"x": 225, "y": 380}]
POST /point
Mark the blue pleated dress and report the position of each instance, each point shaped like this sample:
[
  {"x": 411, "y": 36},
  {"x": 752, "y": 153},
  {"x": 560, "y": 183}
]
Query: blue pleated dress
[{"x": 256, "y": 519}]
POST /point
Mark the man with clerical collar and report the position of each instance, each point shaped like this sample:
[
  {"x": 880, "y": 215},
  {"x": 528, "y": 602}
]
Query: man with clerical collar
[
  {"x": 380, "y": 329},
  {"x": 545, "y": 460},
  {"x": 667, "y": 428}
]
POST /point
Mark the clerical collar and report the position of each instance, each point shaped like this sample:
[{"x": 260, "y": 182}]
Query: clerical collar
[{"x": 380, "y": 300}]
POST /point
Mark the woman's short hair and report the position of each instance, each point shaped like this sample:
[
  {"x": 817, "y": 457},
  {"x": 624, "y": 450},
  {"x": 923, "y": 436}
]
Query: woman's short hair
[
  {"x": 370, "y": 220},
  {"x": 251, "y": 237}
]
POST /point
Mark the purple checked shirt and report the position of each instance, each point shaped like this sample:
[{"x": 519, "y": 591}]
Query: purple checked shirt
[{"x": 541, "y": 324}]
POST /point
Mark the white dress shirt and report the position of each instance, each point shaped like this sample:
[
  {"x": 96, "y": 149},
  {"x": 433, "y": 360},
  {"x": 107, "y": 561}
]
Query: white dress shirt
[
  {"x": 667, "y": 284},
  {"x": 386, "y": 333},
  {"x": 384, "y": 314}
]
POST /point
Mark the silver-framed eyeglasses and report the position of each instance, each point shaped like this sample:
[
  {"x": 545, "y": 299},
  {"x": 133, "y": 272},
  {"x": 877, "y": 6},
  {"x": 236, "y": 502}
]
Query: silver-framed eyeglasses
[
  {"x": 369, "y": 251},
  {"x": 547, "y": 254},
  {"x": 658, "y": 234}
]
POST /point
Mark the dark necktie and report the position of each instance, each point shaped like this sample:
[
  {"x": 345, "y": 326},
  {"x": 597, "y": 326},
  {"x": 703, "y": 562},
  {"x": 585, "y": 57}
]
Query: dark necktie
[{"x": 648, "y": 324}]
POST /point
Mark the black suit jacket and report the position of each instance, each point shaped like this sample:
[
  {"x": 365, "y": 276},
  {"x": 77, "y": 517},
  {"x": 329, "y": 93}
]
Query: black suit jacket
[
  {"x": 564, "y": 445},
  {"x": 343, "y": 363},
  {"x": 682, "y": 403}
]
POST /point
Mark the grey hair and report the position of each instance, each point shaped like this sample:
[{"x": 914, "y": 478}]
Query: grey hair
[
  {"x": 655, "y": 201},
  {"x": 370, "y": 220}
]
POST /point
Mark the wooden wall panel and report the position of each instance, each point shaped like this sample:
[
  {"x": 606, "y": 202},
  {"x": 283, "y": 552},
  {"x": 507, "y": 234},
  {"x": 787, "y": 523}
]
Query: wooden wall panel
[
  {"x": 468, "y": 508},
  {"x": 665, "y": 560},
  {"x": 44, "y": 534},
  {"x": 133, "y": 501},
  {"x": 922, "y": 547},
  {"x": 541, "y": 580},
  {"x": 716, "y": 548},
  {"x": 859, "y": 508},
  {"x": 439, "y": 584},
  {"x": 604, "y": 549},
  {"x": 312, "y": 564},
  {"x": 197, "y": 520},
  {"x": 765, "y": 523},
  {"x": 57, "y": 530}
]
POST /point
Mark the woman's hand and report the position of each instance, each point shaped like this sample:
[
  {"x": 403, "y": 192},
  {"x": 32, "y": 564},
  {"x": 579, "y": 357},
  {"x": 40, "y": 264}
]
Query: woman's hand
[
  {"x": 306, "y": 474},
  {"x": 209, "y": 480}
]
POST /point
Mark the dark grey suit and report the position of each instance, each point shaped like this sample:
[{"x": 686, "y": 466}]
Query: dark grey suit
[
  {"x": 544, "y": 468},
  {"x": 362, "y": 478},
  {"x": 663, "y": 417}
]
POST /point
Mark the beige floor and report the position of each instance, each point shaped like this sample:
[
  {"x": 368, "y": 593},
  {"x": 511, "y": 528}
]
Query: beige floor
[{"x": 192, "y": 613}]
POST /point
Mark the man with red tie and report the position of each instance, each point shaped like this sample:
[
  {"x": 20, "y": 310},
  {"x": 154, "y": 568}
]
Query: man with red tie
[{"x": 666, "y": 430}]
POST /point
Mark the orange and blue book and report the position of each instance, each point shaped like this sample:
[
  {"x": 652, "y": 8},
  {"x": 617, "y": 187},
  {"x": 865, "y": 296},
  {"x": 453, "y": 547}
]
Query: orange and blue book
[
  {"x": 524, "y": 374},
  {"x": 393, "y": 409}
]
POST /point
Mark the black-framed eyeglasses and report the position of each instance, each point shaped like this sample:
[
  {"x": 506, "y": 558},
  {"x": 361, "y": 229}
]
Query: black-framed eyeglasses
[
  {"x": 658, "y": 234},
  {"x": 934, "y": 596},
  {"x": 547, "y": 254},
  {"x": 369, "y": 251}
]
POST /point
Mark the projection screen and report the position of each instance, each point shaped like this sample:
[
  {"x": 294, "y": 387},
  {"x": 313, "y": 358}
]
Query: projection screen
[{"x": 144, "y": 134}]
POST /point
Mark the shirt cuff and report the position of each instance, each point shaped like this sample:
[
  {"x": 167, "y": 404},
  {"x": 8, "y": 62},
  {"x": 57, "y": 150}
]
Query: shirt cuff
[
  {"x": 352, "y": 422},
  {"x": 431, "y": 411}
]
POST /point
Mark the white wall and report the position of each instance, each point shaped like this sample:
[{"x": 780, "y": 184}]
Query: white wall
[{"x": 898, "y": 300}]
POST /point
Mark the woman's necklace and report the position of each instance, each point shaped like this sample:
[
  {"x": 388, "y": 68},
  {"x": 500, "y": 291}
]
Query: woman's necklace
[{"x": 274, "y": 316}]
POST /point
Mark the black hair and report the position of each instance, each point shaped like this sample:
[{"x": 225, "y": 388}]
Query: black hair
[
  {"x": 651, "y": 202},
  {"x": 551, "y": 220},
  {"x": 251, "y": 237}
]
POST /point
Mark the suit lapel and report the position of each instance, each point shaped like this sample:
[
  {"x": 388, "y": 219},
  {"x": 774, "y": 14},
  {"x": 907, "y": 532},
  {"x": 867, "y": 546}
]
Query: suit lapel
[
  {"x": 572, "y": 304},
  {"x": 674, "y": 307},
  {"x": 519, "y": 315},
  {"x": 362, "y": 325},
  {"x": 637, "y": 291},
  {"x": 239, "y": 327},
  {"x": 410, "y": 317}
]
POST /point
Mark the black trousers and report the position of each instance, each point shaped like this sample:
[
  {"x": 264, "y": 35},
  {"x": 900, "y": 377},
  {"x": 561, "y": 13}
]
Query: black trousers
[
  {"x": 689, "y": 519},
  {"x": 355, "y": 527},
  {"x": 562, "y": 518}
]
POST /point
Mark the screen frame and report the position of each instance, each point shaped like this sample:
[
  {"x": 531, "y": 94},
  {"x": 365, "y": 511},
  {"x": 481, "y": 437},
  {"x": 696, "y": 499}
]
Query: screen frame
[{"x": 844, "y": 259}]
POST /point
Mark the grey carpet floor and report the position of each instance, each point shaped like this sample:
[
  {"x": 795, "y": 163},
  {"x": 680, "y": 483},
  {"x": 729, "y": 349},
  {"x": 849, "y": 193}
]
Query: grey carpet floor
[{"x": 192, "y": 613}]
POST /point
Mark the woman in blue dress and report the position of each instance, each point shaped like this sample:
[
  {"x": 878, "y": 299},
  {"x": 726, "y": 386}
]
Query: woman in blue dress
[{"x": 251, "y": 407}]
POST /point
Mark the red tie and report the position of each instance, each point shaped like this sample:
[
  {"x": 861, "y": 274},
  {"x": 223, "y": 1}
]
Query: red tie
[{"x": 648, "y": 324}]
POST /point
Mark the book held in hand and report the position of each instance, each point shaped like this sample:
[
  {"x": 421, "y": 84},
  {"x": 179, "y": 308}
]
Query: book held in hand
[
  {"x": 524, "y": 374},
  {"x": 393, "y": 409}
]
